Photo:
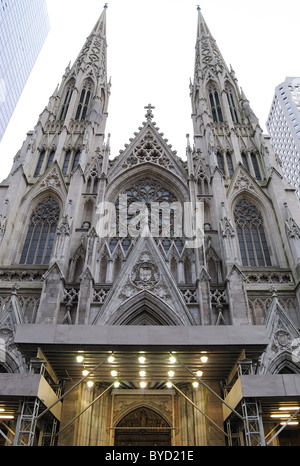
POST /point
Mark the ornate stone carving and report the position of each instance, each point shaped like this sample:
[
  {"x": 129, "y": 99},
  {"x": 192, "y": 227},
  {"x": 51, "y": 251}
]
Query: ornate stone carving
[
  {"x": 145, "y": 275},
  {"x": 243, "y": 182}
]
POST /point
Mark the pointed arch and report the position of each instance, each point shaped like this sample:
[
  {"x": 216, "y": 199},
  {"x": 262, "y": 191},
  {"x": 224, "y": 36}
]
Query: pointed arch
[
  {"x": 232, "y": 102},
  {"x": 69, "y": 88},
  {"x": 252, "y": 239},
  {"x": 39, "y": 241},
  {"x": 144, "y": 309},
  {"x": 284, "y": 364},
  {"x": 40, "y": 163},
  {"x": 140, "y": 404},
  {"x": 215, "y": 102},
  {"x": 85, "y": 97}
]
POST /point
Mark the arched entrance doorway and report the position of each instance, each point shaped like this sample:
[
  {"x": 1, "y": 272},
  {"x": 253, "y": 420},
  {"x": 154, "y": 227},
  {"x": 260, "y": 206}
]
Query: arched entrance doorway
[{"x": 143, "y": 427}]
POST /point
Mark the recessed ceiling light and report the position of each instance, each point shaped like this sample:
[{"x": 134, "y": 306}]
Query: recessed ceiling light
[
  {"x": 290, "y": 408},
  {"x": 85, "y": 373},
  {"x": 116, "y": 384},
  {"x": 79, "y": 358},
  {"x": 172, "y": 359},
  {"x": 195, "y": 384},
  {"x": 199, "y": 373},
  {"x": 90, "y": 383},
  {"x": 204, "y": 359},
  {"x": 292, "y": 423},
  {"x": 142, "y": 359},
  {"x": 169, "y": 384},
  {"x": 114, "y": 373},
  {"x": 143, "y": 384},
  {"x": 171, "y": 373},
  {"x": 142, "y": 373},
  {"x": 111, "y": 359}
]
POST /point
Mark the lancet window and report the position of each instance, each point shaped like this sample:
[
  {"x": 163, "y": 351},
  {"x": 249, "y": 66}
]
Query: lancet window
[
  {"x": 45, "y": 160},
  {"x": 232, "y": 104},
  {"x": 41, "y": 233},
  {"x": 255, "y": 166},
  {"x": 40, "y": 163},
  {"x": 251, "y": 235},
  {"x": 71, "y": 161},
  {"x": 225, "y": 165},
  {"x": 215, "y": 104},
  {"x": 84, "y": 101},
  {"x": 245, "y": 161},
  {"x": 67, "y": 101},
  {"x": 50, "y": 158}
]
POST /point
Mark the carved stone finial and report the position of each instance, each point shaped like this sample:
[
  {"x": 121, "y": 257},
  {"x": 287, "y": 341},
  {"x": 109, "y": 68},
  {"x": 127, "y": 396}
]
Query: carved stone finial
[{"x": 149, "y": 115}]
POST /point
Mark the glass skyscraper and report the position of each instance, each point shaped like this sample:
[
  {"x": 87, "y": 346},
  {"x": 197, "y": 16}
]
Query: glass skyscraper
[{"x": 24, "y": 26}]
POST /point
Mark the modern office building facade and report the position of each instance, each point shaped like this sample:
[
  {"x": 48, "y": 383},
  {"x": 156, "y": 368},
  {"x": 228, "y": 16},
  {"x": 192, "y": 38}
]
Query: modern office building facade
[
  {"x": 283, "y": 125},
  {"x": 24, "y": 26}
]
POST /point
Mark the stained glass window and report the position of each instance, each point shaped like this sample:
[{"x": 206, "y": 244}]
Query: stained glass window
[
  {"x": 251, "y": 235},
  {"x": 41, "y": 233}
]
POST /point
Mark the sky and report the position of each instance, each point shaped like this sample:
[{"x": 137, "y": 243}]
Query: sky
[{"x": 151, "y": 55}]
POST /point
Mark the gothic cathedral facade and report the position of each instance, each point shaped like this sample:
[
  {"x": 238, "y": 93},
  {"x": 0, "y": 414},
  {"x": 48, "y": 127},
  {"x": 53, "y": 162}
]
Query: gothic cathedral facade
[{"x": 227, "y": 291}]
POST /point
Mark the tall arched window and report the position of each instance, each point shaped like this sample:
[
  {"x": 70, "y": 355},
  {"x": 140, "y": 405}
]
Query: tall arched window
[
  {"x": 50, "y": 158},
  {"x": 41, "y": 233},
  {"x": 251, "y": 235},
  {"x": 232, "y": 104},
  {"x": 255, "y": 166},
  {"x": 66, "y": 162},
  {"x": 229, "y": 164},
  {"x": 220, "y": 160},
  {"x": 84, "y": 101},
  {"x": 215, "y": 104},
  {"x": 67, "y": 100},
  {"x": 245, "y": 161},
  {"x": 40, "y": 163},
  {"x": 76, "y": 159}
]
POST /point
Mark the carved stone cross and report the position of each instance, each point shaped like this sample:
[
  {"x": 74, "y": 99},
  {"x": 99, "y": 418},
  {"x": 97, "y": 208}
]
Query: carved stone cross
[{"x": 149, "y": 115}]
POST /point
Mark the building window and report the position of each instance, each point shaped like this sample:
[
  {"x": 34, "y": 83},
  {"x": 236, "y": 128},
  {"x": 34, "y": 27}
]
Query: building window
[
  {"x": 76, "y": 159},
  {"x": 40, "y": 163},
  {"x": 229, "y": 164},
  {"x": 215, "y": 105},
  {"x": 84, "y": 101},
  {"x": 251, "y": 235},
  {"x": 41, "y": 233},
  {"x": 50, "y": 158},
  {"x": 66, "y": 162},
  {"x": 255, "y": 166},
  {"x": 220, "y": 160},
  {"x": 67, "y": 100},
  {"x": 232, "y": 105},
  {"x": 228, "y": 168},
  {"x": 245, "y": 161}
]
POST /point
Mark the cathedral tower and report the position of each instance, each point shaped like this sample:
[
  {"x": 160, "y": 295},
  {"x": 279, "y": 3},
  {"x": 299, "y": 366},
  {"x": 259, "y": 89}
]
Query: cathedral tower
[{"x": 170, "y": 284}]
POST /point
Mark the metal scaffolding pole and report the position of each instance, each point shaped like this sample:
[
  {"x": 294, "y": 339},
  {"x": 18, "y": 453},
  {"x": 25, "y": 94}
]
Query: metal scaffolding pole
[
  {"x": 254, "y": 432},
  {"x": 198, "y": 409},
  {"x": 85, "y": 409},
  {"x": 281, "y": 429},
  {"x": 212, "y": 391},
  {"x": 26, "y": 426},
  {"x": 70, "y": 390}
]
